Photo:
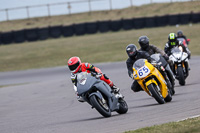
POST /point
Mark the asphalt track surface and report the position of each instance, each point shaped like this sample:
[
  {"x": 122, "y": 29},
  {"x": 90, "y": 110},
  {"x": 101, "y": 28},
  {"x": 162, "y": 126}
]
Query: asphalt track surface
[{"x": 43, "y": 101}]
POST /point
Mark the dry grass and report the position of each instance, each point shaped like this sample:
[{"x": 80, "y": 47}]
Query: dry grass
[
  {"x": 107, "y": 47},
  {"x": 132, "y": 12}
]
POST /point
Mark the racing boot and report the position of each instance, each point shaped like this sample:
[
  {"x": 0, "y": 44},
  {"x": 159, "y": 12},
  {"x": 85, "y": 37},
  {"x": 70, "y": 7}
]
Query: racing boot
[{"x": 115, "y": 89}]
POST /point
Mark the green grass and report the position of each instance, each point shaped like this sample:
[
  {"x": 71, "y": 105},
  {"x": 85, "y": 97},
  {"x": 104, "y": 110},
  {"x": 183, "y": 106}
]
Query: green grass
[
  {"x": 132, "y": 12},
  {"x": 186, "y": 126},
  {"x": 107, "y": 47}
]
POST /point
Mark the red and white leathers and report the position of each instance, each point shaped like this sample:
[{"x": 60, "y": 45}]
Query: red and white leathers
[{"x": 86, "y": 67}]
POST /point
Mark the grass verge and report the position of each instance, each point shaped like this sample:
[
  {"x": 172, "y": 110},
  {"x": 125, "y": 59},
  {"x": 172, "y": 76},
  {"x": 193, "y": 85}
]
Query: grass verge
[
  {"x": 186, "y": 126},
  {"x": 155, "y": 9},
  {"x": 107, "y": 47}
]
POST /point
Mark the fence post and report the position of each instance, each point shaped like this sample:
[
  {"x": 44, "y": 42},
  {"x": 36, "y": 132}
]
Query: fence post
[
  {"x": 27, "y": 11},
  {"x": 69, "y": 7},
  {"x": 89, "y": 4},
  {"x": 131, "y": 3},
  {"x": 48, "y": 7},
  {"x": 7, "y": 15},
  {"x": 110, "y": 4}
]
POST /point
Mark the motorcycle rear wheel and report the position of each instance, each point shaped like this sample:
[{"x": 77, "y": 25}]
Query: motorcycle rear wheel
[
  {"x": 156, "y": 94},
  {"x": 181, "y": 77},
  {"x": 99, "y": 106},
  {"x": 123, "y": 107}
]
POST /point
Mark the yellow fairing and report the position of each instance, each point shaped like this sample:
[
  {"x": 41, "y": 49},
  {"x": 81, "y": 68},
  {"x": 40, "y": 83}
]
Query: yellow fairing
[{"x": 154, "y": 73}]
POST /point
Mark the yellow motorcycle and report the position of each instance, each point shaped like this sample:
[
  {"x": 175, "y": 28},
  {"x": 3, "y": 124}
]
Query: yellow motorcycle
[{"x": 151, "y": 81}]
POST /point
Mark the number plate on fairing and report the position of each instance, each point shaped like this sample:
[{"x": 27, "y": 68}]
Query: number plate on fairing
[{"x": 143, "y": 72}]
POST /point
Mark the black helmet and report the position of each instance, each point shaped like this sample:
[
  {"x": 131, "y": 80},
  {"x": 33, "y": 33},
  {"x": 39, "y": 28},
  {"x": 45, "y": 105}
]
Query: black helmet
[
  {"x": 131, "y": 50},
  {"x": 172, "y": 37},
  {"x": 144, "y": 42},
  {"x": 179, "y": 33}
]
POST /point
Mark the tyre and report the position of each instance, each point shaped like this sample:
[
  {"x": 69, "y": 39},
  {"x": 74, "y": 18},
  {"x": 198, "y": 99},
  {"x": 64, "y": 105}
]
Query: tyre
[
  {"x": 123, "y": 107},
  {"x": 155, "y": 93},
  {"x": 181, "y": 77},
  {"x": 100, "y": 106},
  {"x": 168, "y": 98}
]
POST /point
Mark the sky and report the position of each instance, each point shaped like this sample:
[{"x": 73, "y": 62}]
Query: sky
[{"x": 63, "y": 8}]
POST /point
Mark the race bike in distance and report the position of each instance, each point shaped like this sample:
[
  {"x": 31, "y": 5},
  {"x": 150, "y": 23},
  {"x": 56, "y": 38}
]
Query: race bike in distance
[
  {"x": 166, "y": 71},
  {"x": 151, "y": 81},
  {"x": 99, "y": 95},
  {"x": 180, "y": 64},
  {"x": 183, "y": 41}
]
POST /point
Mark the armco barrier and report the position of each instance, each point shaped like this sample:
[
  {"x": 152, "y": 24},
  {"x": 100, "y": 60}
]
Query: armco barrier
[
  {"x": 31, "y": 34},
  {"x": 162, "y": 20},
  {"x": 0, "y": 39},
  {"x": 7, "y": 37},
  {"x": 139, "y": 23},
  {"x": 104, "y": 26},
  {"x": 184, "y": 18},
  {"x": 43, "y": 33},
  {"x": 127, "y": 24},
  {"x": 91, "y": 27},
  {"x": 68, "y": 31},
  {"x": 99, "y": 26},
  {"x": 195, "y": 17},
  {"x": 150, "y": 22},
  {"x": 19, "y": 36},
  {"x": 80, "y": 29},
  {"x": 115, "y": 25},
  {"x": 173, "y": 19},
  {"x": 55, "y": 31}
]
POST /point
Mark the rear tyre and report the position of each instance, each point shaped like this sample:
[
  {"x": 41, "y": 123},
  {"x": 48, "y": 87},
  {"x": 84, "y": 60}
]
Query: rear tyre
[
  {"x": 123, "y": 107},
  {"x": 156, "y": 94},
  {"x": 168, "y": 98},
  {"x": 100, "y": 106},
  {"x": 181, "y": 77}
]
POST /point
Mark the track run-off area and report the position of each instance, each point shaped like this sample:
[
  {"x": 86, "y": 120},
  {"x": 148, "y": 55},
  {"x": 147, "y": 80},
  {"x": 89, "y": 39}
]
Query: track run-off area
[{"x": 43, "y": 101}]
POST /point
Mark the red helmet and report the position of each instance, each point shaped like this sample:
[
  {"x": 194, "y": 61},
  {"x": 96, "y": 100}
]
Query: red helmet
[{"x": 74, "y": 64}]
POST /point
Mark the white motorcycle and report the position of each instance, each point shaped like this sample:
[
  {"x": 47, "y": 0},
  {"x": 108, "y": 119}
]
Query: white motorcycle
[{"x": 180, "y": 64}]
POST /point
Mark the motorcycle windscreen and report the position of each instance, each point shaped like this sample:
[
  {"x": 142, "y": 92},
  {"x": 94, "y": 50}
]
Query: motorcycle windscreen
[
  {"x": 139, "y": 63},
  {"x": 159, "y": 59},
  {"x": 85, "y": 82}
]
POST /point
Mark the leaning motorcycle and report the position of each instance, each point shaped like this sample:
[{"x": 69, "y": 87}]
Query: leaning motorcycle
[
  {"x": 151, "y": 81},
  {"x": 99, "y": 95},
  {"x": 180, "y": 64},
  {"x": 165, "y": 70}
]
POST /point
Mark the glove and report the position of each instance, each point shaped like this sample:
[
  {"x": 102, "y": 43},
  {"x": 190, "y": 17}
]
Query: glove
[
  {"x": 96, "y": 75},
  {"x": 154, "y": 63},
  {"x": 166, "y": 57}
]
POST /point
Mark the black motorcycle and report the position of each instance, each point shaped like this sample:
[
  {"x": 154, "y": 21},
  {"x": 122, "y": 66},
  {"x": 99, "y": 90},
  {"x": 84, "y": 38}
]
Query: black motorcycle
[{"x": 165, "y": 70}]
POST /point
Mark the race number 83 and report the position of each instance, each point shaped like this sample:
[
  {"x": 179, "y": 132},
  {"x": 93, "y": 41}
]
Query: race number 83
[{"x": 143, "y": 72}]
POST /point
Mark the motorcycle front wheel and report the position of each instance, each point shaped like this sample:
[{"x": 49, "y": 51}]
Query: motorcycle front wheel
[
  {"x": 100, "y": 106},
  {"x": 155, "y": 93},
  {"x": 181, "y": 77}
]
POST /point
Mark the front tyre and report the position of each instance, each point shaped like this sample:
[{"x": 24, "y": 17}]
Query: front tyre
[
  {"x": 181, "y": 77},
  {"x": 100, "y": 106},
  {"x": 155, "y": 93},
  {"x": 123, "y": 107}
]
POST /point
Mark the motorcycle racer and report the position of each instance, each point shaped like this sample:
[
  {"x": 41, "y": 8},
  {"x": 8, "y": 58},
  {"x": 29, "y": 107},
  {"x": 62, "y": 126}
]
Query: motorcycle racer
[
  {"x": 134, "y": 55},
  {"x": 173, "y": 42},
  {"x": 75, "y": 66}
]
